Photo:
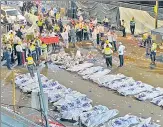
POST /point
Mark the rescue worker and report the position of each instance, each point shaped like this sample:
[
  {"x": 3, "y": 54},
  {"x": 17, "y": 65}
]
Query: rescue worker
[
  {"x": 7, "y": 56},
  {"x": 58, "y": 16},
  {"x": 38, "y": 47},
  {"x": 32, "y": 49},
  {"x": 19, "y": 51},
  {"x": 30, "y": 65},
  {"x": 123, "y": 28},
  {"x": 153, "y": 53},
  {"x": 106, "y": 22},
  {"x": 44, "y": 52},
  {"x": 132, "y": 26},
  {"x": 4, "y": 39},
  {"x": 40, "y": 24},
  {"x": 108, "y": 55},
  {"x": 85, "y": 31},
  {"x": 121, "y": 53},
  {"x": 77, "y": 28},
  {"x": 73, "y": 35},
  {"x": 56, "y": 28}
]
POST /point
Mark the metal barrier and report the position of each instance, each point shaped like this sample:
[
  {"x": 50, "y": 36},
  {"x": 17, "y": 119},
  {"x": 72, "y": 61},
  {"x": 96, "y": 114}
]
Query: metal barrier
[
  {"x": 6, "y": 27},
  {"x": 11, "y": 119}
]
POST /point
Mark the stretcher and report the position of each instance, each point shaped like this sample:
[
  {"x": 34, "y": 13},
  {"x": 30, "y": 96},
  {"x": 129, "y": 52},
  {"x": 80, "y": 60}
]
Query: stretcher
[{"x": 49, "y": 40}]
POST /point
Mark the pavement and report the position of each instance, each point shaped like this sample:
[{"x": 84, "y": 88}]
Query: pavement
[{"x": 136, "y": 66}]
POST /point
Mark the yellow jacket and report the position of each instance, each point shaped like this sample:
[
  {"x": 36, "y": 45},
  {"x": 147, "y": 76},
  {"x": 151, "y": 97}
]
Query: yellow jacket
[
  {"x": 44, "y": 47},
  {"x": 154, "y": 47},
  {"x": 108, "y": 52},
  {"x": 30, "y": 60},
  {"x": 32, "y": 48}
]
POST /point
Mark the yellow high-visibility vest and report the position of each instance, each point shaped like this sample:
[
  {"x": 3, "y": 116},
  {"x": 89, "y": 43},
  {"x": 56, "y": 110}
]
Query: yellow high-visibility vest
[
  {"x": 32, "y": 48},
  {"x": 155, "y": 9},
  {"x": 44, "y": 47},
  {"x": 154, "y": 47},
  {"x": 56, "y": 28},
  {"x": 30, "y": 60},
  {"x": 58, "y": 16},
  {"x": 40, "y": 23},
  {"x": 107, "y": 51}
]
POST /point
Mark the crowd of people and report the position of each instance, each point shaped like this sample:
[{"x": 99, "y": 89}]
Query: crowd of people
[{"x": 50, "y": 23}]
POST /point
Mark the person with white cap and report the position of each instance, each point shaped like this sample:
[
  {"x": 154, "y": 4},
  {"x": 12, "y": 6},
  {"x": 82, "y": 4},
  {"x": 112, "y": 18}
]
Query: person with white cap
[{"x": 121, "y": 53}]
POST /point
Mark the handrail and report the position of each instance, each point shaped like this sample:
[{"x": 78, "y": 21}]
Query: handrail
[{"x": 20, "y": 117}]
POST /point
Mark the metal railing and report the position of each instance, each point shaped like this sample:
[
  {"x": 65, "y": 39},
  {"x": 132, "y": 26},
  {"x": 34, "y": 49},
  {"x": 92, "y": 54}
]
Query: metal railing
[{"x": 11, "y": 119}]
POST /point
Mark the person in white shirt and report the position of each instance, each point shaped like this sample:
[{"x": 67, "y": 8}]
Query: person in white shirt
[
  {"x": 16, "y": 40},
  {"x": 114, "y": 40},
  {"x": 94, "y": 37},
  {"x": 65, "y": 38},
  {"x": 19, "y": 51},
  {"x": 121, "y": 54},
  {"x": 110, "y": 37}
]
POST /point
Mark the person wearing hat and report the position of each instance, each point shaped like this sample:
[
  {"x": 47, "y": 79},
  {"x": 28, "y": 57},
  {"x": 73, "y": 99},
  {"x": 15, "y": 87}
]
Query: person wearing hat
[
  {"x": 121, "y": 54},
  {"x": 107, "y": 43},
  {"x": 30, "y": 65},
  {"x": 132, "y": 25},
  {"x": 19, "y": 51},
  {"x": 108, "y": 55}
]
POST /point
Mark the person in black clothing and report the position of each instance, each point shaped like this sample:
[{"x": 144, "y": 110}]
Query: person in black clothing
[
  {"x": 19, "y": 34},
  {"x": 132, "y": 26}
]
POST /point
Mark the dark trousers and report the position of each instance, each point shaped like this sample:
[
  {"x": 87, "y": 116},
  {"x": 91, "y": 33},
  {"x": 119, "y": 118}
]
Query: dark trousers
[
  {"x": 86, "y": 36},
  {"x": 79, "y": 36},
  {"x": 153, "y": 56},
  {"x": 41, "y": 29},
  {"x": 15, "y": 48},
  {"x": 19, "y": 56},
  {"x": 108, "y": 61},
  {"x": 121, "y": 59},
  {"x": 24, "y": 50},
  {"x": 34, "y": 56},
  {"x": 124, "y": 32},
  {"x": 115, "y": 46},
  {"x": 38, "y": 53},
  {"x": 8, "y": 63},
  {"x": 12, "y": 57},
  {"x": 98, "y": 39},
  {"x": 132, "y": 28}
]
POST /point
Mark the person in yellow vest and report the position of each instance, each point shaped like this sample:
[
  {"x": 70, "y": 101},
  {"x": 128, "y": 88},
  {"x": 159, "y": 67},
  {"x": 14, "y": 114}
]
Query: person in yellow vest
[
  {"x": 106, "y": 21},
  {"x": 78, "y": 30},
  {"x": 108, "y": 56},
  {"x": 32, "y": 49},
  {"x": 56, "y": 28},
  {"x": 85, "y": 31},
  {"x": 40, "y": 24},
  {"x": 153, "y": 52},
  {"x": 4, "y": 39},
  {"x": 132, "y": 26},
  {"x": 58, "y": 16},
  {"x": 30, "y": 65},
  {"x": 123, "y": 28},
  {"x": 44, "y": 52},
  {"x": 38, "y": 47}
]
